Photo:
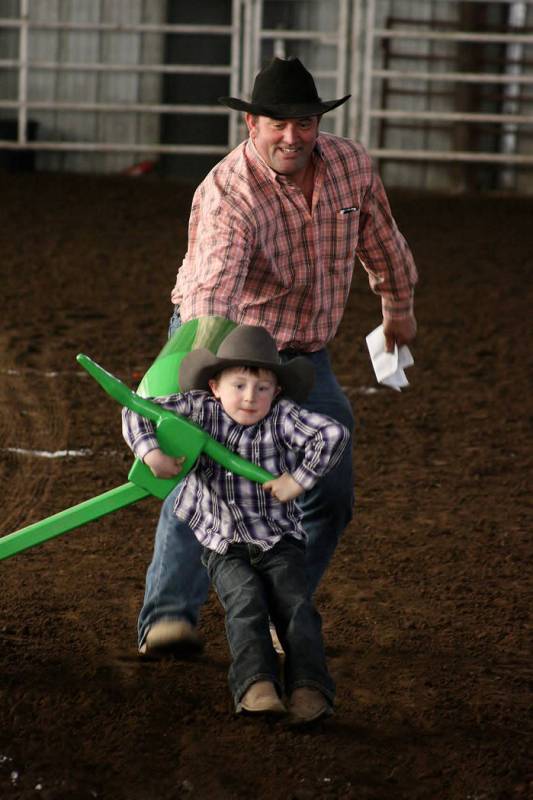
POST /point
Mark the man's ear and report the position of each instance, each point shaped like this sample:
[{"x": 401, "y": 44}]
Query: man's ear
[{"x": 251, "y": 122}]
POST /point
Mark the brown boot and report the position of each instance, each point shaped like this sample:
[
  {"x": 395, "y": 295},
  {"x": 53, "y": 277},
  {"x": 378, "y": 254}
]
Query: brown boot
[
  {"x": 171, "y": 637},
  {"x": 308, "y": 705},
  {"x": 261, "y": 698}
]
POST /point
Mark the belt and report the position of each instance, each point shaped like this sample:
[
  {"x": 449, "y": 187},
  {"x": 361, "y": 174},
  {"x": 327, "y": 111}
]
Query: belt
[{"x": 291, "y": 352}]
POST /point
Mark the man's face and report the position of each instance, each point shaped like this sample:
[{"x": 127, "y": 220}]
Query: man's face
[{"x": 284, "y": 144}]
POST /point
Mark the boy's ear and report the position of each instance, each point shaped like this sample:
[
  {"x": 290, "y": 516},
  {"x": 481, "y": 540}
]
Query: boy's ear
[{"x": 213, "y": 385}]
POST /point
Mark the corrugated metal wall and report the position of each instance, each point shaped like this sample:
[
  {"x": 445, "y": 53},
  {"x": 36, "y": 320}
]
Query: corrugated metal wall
[
  {"x": 72, "y": 86},
  {"x": 113, "y": 88}
]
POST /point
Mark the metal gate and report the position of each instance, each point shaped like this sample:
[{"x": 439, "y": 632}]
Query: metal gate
[
  {"x": 449, "y": 83},
  {"x": 91, "y": 79},
  {"x": 97, "y": 50}
]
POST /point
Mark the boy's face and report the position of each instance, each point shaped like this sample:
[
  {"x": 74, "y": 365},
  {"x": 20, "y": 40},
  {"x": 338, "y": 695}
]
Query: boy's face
[{"x": 246, "y": 397}]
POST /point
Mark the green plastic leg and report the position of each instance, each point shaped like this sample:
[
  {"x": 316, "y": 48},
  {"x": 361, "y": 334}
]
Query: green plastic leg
[{"x": 71, "y": 518}]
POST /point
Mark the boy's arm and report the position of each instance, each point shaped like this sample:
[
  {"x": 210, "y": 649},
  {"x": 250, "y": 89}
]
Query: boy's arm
[
  {"x": 321, "y": 440},
  {"x": 163, "y": 466},
  {"x": 284, "y": 488},
  {"x": 140, "y": 436}
]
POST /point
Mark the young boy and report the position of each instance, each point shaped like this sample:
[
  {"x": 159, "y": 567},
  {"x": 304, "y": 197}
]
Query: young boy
[{"x": 253, "y": 540}]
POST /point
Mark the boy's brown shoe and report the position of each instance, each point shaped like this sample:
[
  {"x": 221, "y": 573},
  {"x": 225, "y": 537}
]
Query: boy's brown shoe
[
  {"x": 261, "y": 698},
  {"x": 308, "y": 705},
  {"x": 171, "y": 637}
]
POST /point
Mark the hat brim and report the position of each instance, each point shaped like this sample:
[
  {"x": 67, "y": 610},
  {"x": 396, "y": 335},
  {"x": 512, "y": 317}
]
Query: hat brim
[
  {"x": 296, "y": 377},
  {"x": 283, "y": 110}
]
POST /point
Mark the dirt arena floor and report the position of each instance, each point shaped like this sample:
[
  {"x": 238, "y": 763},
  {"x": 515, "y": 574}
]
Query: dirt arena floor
[{"x": 425, "y": 606}]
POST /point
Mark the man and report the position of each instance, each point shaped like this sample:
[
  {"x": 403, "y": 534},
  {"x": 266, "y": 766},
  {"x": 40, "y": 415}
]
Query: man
[{"x": 274, "y": 233}]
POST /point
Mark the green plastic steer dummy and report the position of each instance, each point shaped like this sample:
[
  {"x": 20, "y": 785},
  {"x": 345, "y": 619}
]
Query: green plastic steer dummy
[{"x": 176, "y": 435}]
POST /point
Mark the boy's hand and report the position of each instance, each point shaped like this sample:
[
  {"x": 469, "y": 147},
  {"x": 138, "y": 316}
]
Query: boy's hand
[
  {"x": 163, "y": 466},
  {"x": 284, "y": 488}
]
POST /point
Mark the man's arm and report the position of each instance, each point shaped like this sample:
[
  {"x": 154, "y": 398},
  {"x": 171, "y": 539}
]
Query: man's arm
[
  {"x": 386, "y": 257},
  {"x": 215, "y": 268},
  {"x": 399, "y": 331}
]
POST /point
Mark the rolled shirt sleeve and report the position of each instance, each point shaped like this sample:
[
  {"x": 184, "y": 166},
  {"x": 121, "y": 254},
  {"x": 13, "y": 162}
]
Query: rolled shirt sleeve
[
  {"x": 322, "y": 441},
  {"x": 385, "y": 255}
]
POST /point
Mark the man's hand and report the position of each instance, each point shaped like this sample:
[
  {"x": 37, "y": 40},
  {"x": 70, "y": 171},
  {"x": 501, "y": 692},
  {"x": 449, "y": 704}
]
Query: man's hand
[
  {"x": 163, "y": 466},
  {"x": 284, "y": 488},
  {"x": 399, "y": 331}
]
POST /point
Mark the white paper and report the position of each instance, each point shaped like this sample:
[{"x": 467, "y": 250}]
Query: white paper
[{"x": 388, "y": 367}]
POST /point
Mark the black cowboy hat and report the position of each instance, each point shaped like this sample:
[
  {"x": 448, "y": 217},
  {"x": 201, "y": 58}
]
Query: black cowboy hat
[
  {"x": 247, "y": 346},
  {"x": 284, "y": 89}
]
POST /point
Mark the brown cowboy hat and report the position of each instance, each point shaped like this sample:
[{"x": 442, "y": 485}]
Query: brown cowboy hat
[
  {"x": 247, "y": 346},
  {"x": 284, "y": 89}
]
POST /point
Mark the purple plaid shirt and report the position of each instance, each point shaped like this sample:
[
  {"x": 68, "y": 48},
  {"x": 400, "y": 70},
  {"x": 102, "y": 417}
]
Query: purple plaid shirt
[{"x": 222, "y": 507}]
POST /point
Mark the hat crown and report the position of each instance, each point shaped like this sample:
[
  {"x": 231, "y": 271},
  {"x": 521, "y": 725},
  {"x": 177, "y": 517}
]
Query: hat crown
[
  {"x": 284, "y": 81},
  {"x": 249, "y": 344},
  {"x": 283, "y": 89}
]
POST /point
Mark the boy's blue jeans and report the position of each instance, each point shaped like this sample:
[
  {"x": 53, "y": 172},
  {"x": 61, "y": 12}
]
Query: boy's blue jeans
[
  {"x": 254, "y": 585},
  {"x": 176, "y": 582}
]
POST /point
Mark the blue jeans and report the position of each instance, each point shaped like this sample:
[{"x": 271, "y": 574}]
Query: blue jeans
[
  {"x": 176, "y": 582},
  {"x": 254, "y": 586}
]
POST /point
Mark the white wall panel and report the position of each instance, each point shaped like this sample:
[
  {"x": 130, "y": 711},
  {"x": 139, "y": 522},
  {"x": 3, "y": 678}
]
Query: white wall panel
[
  {"x": 8, "y": 49},
  {"x": 77, "y": 86}
]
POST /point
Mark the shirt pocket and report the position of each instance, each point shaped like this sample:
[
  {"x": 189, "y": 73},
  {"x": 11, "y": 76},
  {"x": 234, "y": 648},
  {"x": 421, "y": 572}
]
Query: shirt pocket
[{"x": 345, "y": 234}]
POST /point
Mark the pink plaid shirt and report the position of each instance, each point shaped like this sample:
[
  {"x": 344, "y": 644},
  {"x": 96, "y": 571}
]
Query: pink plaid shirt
[{"x": 258, "y": 255}]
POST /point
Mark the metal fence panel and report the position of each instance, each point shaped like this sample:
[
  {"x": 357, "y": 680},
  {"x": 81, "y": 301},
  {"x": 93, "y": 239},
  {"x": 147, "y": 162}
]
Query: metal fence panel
[
  {"x": 92, "y": 76},
  {"x": 447, "y": 101}
]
